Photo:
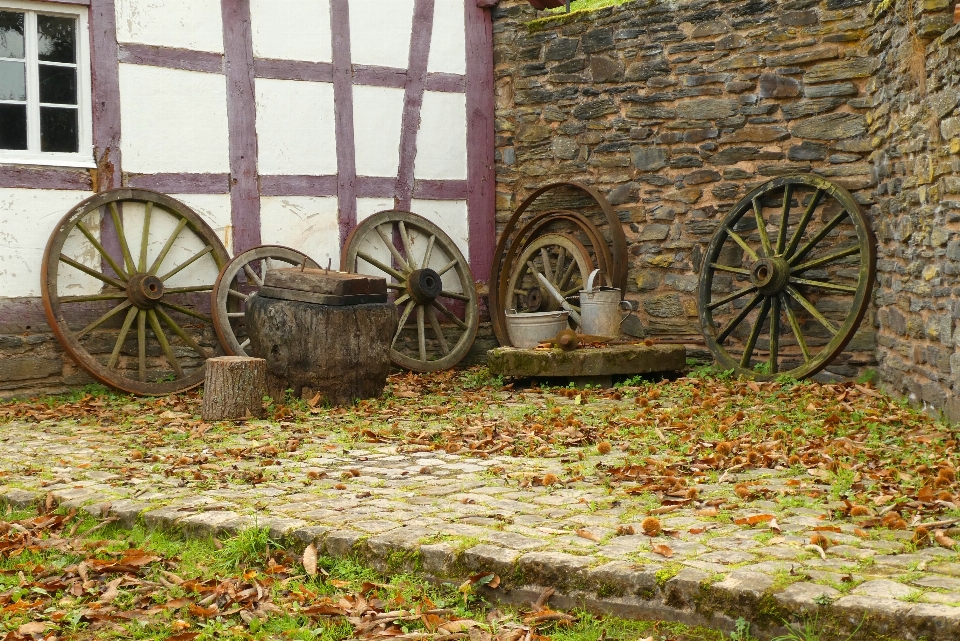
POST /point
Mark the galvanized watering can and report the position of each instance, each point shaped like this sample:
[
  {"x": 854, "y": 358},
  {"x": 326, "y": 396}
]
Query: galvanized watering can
[{"x": 600, "y": 309}]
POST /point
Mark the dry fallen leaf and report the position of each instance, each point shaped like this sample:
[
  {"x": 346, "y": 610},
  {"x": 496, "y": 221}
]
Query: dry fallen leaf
[
  {"x": 707, "y": 511},
  {"x": 942, "y": 539},
  {"x": 112, "y": 591},
  {"x": 34, "y": 627},
  {"x": 587, "y": 534},
  {"x": 663, "y": 550},
  {"x": 775, "y": 526},
  {"x": 753, "y": 520},
  {"x": 310, "y": 560}
]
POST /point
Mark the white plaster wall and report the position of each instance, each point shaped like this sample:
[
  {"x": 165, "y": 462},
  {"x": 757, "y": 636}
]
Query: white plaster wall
[
  {"x": 442, "y": 140},
  {"x": 448, "y": 44},
  {"x": 186, "y": 24},
  {"x": 296, "y": 128},
  {"x": 380, "y": 32},
  {"x": 367, "y": 207},
  {"x": 291, "y": 29},
  {"x": 448, "y": 215},
  {"x": 27, "y": 219},
  {"x": 304, "y": 223},
  {"x": 173, "y": 121},
  {"x": 377, "y": 121}
]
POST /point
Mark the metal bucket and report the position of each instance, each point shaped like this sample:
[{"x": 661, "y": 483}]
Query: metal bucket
[
  {"x": 600, "y": 309},
  {"x": 529, "y": 330}
]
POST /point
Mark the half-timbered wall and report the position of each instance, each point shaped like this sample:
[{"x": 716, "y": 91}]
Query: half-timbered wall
[{"x": 278, "y": 121}]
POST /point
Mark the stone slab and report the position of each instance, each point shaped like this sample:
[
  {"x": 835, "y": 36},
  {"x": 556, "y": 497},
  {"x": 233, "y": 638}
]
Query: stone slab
[{"x": 622, "y": 360}]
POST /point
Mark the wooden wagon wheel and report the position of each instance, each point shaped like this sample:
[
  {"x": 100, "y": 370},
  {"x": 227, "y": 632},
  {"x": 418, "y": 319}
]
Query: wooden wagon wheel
[
  {"x": 561, "y": 259},
  {"x": 430, "y": 284},
  {"x": 161, "y": 285},
  {"x": 805, "y": 253},
  {"x": 240, "y": 279},
  {"x": 512, "y": 237}
]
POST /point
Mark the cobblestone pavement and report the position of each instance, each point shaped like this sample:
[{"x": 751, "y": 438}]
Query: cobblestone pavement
[{"x": 416, "y": 508}]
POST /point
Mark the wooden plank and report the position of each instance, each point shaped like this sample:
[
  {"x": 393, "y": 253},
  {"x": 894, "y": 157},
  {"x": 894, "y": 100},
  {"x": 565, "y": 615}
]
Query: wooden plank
[
  {"x": 320, "y": 299},
  {"x": 343, "y": 107},
  {"x": 171, "y": 58},
  {"x": 322, "y": 281},
  {"x": 413, "y": 99}
]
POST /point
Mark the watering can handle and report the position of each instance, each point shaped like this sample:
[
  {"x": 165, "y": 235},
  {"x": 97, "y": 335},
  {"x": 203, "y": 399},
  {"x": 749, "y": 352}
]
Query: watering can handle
[{"x": 592, "y": 277}]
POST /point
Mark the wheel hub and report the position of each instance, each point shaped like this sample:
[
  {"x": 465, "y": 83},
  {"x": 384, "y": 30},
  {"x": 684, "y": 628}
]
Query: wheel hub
[
  {"x": 145, "y": 290},
  {"x": 770, "y": 275},
  {"x": 533, "y": 299},
  {"x": 424, "y": 285}
]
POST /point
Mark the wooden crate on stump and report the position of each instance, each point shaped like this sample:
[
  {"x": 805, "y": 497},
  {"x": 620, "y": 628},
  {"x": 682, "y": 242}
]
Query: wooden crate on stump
[{"x": 323, "y": 333}]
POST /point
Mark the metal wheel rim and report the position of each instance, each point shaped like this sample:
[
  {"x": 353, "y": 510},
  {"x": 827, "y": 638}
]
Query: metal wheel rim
[
  {"x": 578, "y": 253},
  {"x": 52, "y": 303},
  {"x": 410, "y": 307},
  {"x": 227, "y": 298},
  {"x": 794, "y": 251},
  {"x": 617, "y": 268}
]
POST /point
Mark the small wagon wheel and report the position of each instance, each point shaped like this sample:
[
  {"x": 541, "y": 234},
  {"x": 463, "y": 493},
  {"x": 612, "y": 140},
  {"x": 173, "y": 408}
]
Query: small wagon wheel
[
  {"x": 798, "y": 249},
  {"x": 562, "y": 260},
  {"x": 431, "y": 285},
  {"x": 97, "y": 286},
  {"x": 239, "y": 280}
]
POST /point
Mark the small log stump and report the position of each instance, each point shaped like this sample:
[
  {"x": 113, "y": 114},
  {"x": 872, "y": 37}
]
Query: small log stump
[
  {"x": 341, "y": 353},
  {"x": 234, "y": 388}
]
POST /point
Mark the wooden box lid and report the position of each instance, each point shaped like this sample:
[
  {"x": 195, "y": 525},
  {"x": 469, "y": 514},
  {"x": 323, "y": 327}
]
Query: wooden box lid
[{"x": 322, "y": 281}]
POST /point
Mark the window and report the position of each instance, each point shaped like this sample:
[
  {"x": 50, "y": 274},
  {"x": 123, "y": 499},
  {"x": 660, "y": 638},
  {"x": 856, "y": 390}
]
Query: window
[{"x": 44, "y": 85}]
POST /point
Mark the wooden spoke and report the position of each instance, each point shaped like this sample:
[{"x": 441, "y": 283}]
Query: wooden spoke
[
  {"x": 804, "y": 221},
  {"x": 722, "y": 336},
  {"x": 127, "y": 323},
  {"x": 824, "y": 285},
  {"x": 92, "y": 298},
  {"x": 545, "y": 259},
  {"x": 453, "y": 317},
  {"x": 145, "y": 237},
  {"x": 795, "y": 326},
  {"x": 404, "y": 317},
  {"x": 200, "y": 254},
  {"x": 245, "y": 344},
  {"x": 393, "y": 250},
  {"x": 103, "y": 253},
  {"x": 407, "y": 246},
  {"x": 252, "y": 276},
  {"x": 179, "y": 331},
  {"x": 774, "y": 335},
  {"x": 92, "y": 272},
  {"x": 167, "y": 246},
  {"x": 187, "y": 311},
  {"x": 428, "y": 254},
  {"x": 755, "y": 333},
  {"x": 734, "y": 296},
  {"x": 401, "y": 300},
  {"x": 743, "y": 244},
  {"x": 570, "y": 292},
  {"x": 443, "y": 270},
  {"x": 807, "y": 305},
  {"x": 235, "y": 314},
  {"x": 568, "y": 273},
  {"x": 823, "y": 260},
  {"x": 820, "y": 235},
  {"x": 376, "y": 263},
  {"x": 142, "y": 345},
  {"x": 438, "y": 331},
  {"x": 189, "y": 290},
  {"x": 164, "y": 344},
  {"x": 103, "y": 319},
  {"x": 784, "y": 218},
  {"x": 732, "y": 270},
  {"x": 561, "y": 261},
  {"x": 421, "y": 333},
  {"x": 455, "y": 295},
  {"x": 234, "y": 293},
  {"x": 762, "y": 228},
  {"x": 122, "y": 236}
]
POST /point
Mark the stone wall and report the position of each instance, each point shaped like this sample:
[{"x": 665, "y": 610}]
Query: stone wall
[
  {"x": 676, "y": 110},
  {"x": 915, "y": 128}
]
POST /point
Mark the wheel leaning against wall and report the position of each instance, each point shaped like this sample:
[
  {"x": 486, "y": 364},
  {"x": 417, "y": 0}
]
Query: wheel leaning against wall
[
  {"x": 797, "y": 249},
  {"x": 430, "y": 285},
  {"x": 140, "y": 320}
]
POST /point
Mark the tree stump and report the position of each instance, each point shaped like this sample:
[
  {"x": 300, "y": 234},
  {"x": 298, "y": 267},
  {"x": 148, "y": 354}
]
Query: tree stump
[
  {"x": 234, "y": 388},
  {"x": 341, "y": 353}
]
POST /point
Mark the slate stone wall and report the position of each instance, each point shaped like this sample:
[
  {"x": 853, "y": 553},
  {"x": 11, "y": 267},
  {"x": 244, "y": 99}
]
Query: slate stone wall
[
  {"x": 915, "y": 129},
  {"x": 676, "y": 111}
]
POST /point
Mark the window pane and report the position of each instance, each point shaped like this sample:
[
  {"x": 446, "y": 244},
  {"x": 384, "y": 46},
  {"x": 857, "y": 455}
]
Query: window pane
[
  {"x": 13, "y": 80},
  {"x": 13, "y": 126},
  {"x": 58, "y": 130},
  {"x": 57, "y": 38},
  {"x": 11, "y": 34},
  {"x": 58, "y": 85}
]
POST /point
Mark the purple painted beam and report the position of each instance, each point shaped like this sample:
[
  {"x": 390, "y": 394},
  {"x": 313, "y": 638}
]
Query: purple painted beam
[
  {"x": 180, "y": 183},
  {"x": 413, "y": 99},
  {"x": 379, "y": 76},
  {"x": 105, "y": 75},
  {"x": 242, "y": 120},
  {"x": 293, "y": 70},
  {"x": 343, "y": 105},
  {"x": 15, "y": 177},
  {"x": 481, "y": 198},
  {"x": 441, "y": 189},
  {"x": 376, "y": 187},
  {"x": 171, "y": 58},
  {"x": 298, "y": 185},
  {"x": 447, "y": 82},
  {"x": 20, "y": 315}
]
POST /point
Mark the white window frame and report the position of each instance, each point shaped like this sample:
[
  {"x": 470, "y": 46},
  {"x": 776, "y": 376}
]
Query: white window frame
[{"x": 32, "y": 155}]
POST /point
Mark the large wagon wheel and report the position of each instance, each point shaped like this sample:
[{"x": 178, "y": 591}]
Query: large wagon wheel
[
  {"x": 241, "y": 278},
  {"x": 96, "y": 286},
  {"x": 799, "y": 249},
  {"x": 430, "y": 284},
  {"x": 512, "y": 240},
  {"x": 561, "y": 259}
]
